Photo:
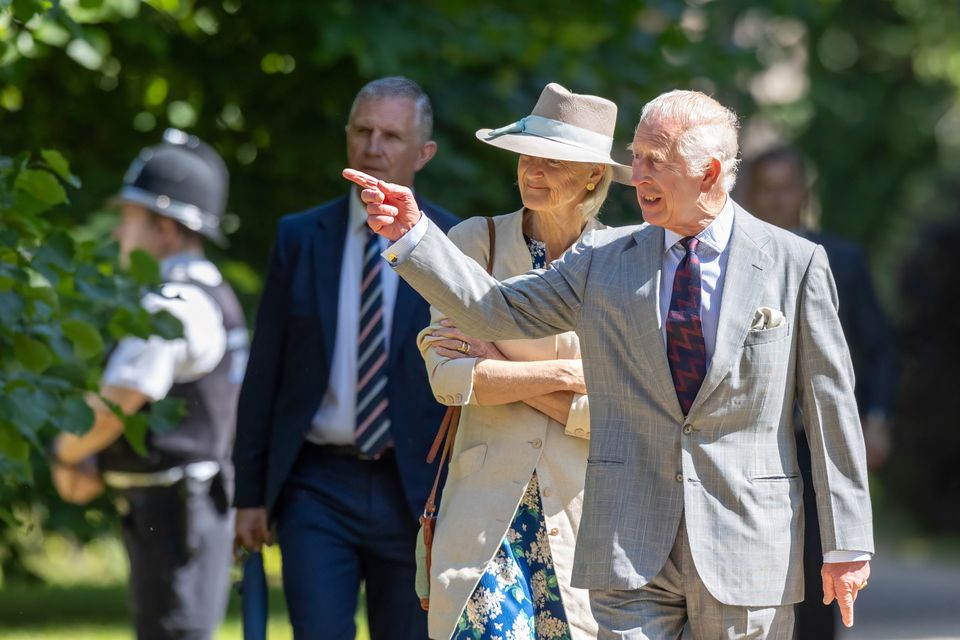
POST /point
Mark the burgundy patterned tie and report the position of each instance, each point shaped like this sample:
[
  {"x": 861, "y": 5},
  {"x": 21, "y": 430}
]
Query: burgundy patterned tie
[{"x": 686, "y": 350}]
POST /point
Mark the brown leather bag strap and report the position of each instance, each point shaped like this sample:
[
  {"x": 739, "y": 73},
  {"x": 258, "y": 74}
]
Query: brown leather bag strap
[
  {"x": 448, "y": 428},
  {"x": 447, "y": 432},
  {"x": 492, "y": 231}
]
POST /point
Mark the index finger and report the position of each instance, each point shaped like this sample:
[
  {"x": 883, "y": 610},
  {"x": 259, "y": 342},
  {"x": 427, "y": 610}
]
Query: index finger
[
  {"x": 359, "y": 177},
  {"x": 846, "y": 609}
]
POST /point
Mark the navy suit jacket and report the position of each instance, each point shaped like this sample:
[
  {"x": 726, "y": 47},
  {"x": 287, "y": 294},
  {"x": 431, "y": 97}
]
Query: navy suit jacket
[{"x": 290, "y": 361}]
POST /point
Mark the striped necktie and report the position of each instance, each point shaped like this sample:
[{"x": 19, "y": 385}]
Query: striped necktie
[
  {"x": 686, "y": 350},
  {"x": 372, "y": 436}
]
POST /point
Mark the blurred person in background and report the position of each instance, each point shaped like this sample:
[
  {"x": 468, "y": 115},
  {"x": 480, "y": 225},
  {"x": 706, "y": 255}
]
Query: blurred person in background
[
  {"x": 175, "y": 501},
  {"x": 923, "y": 472},
  {"x": 336, "y": 414},
  {"x": 779, "y": 187},
  {"x": 511, "y": 506}
]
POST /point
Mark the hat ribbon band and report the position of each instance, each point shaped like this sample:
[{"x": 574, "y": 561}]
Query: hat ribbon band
[{"x": 557, "y": 131}]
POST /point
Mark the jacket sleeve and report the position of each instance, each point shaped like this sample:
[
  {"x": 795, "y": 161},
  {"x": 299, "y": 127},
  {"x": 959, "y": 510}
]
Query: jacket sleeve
[
  {"x": 830, "y": 416},
  {"x": 536, "y": 304},
  {"x": 260, "y": 383},
  {"x": 451, "y": 379}
]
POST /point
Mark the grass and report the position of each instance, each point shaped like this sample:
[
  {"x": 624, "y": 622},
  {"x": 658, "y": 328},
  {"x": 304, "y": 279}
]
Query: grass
[{"x": 86, "y": 612}]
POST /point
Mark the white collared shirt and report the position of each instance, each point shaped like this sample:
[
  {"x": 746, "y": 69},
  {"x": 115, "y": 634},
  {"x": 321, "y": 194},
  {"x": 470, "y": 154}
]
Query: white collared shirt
[
  {"x": 713, "y": 254},
  {"x": 336, "y": 419},
  {"x": 154, "y": 365}
]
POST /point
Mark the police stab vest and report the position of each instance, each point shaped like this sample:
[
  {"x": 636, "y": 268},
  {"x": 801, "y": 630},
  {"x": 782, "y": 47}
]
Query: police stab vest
[{"x": 206, "y": 431}]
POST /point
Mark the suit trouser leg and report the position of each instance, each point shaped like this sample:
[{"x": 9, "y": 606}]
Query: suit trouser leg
[
  {"x": 659, "y": 609},
  {"x": 341, "y": 521},
  {"x": 815, "y": 621},
  {"x": 389, "y": 565}
]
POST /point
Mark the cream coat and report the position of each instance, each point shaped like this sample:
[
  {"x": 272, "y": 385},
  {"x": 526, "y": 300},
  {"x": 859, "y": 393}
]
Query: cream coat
[{"x": 498, "y": 448}]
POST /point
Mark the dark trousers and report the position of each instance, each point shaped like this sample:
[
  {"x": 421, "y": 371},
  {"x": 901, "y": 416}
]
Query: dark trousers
[
  {"x": 342, "y": 521},
  {"x": 179, "y": 541},
  {"x": 814, "y": 621}
]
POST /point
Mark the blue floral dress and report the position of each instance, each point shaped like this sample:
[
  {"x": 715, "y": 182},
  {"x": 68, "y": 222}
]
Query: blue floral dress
[{"x": 518, "y": 597}]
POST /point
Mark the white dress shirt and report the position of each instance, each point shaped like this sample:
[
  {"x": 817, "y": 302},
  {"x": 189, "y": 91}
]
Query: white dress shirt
[
  {"x": 713, "y": 252},
  {"x": 154, "y": 365},
  {"x": 336, "y": 419}
]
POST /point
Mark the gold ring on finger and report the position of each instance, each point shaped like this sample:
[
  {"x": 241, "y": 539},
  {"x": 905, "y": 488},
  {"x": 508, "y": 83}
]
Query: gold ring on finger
[
  {"x": 464, "y": 347},
  {"x": 862, "y": 586}
]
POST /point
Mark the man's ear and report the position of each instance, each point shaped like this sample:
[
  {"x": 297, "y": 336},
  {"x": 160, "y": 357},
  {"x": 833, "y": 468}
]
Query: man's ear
[
  {"x": 710, "y": 176},
  {"x": 427, "y": 151}
]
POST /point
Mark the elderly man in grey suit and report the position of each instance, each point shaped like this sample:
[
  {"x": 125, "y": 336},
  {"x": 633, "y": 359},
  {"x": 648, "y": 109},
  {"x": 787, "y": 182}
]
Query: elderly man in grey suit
[{"x": 699, "y": 329}]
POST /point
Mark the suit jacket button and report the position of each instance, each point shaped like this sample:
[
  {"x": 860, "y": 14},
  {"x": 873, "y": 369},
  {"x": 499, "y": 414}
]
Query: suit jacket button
[
  {"x": 687, "y": 429},
  {"x": 679, "y": 477},
  {"x": 546, "y": 492},
  {"x": 536, "y": 443},
  {"x": 554, "y": 531}
]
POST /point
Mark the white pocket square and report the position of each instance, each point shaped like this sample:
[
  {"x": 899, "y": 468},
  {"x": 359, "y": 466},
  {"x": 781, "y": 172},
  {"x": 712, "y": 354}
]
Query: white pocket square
[{"x": 766, "y": 318}]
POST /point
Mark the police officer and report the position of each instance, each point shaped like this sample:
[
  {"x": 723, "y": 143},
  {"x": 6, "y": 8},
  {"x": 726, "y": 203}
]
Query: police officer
[{"x": 177, "y": 524}]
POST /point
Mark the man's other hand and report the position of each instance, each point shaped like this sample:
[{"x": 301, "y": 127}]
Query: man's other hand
[
  {"x": 843, "y": 581},
  {"x": 252, "y": 530},
  {"x": 76, "y": 485}
]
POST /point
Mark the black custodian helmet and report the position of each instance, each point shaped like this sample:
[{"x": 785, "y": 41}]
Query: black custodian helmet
[{"x": 182, "y": 178}]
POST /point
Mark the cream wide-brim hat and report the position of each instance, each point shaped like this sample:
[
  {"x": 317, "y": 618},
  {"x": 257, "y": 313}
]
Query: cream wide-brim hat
[{"x": 563, "y": 126}]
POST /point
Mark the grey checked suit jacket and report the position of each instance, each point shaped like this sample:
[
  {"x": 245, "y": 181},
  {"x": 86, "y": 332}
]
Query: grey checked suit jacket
[{"x": 729, "y": 468}]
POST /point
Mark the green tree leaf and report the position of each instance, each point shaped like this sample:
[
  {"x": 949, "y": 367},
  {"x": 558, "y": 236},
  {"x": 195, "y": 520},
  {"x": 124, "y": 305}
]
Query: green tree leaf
[
  {"x": 31, "y": 353},
  {"x": 12, "y": 444},
  {"x": 166, "y": 414},
  {"x": 11, "y": 308},
  {"x": 144, "y": 268},
  {"x": 135, "y": 430},
  {"x": 41, "y": 185},
  {"x": 60, "y": 166},
  {"x": 86, "y": 339},
  {"x": 75, "y": 415}
]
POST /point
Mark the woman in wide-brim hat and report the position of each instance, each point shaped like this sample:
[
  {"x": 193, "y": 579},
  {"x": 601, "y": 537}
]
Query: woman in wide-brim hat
[{"x": 503, "y": 552}]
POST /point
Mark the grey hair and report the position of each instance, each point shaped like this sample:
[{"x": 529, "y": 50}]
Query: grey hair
[
  {"x": 399, "y": 87},
  {"x": 593, "y": 201},
  {"x": 708, "y": 130}
]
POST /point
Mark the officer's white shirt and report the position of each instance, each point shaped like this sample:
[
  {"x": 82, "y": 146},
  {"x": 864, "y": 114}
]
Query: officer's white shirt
[
  {"x": 336, "y": 420},
  {"x": 154, "y": 365}
]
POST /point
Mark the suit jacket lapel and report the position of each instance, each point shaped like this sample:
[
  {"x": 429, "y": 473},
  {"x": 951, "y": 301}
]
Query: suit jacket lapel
[
  {"x": 641, "y": 267},
  {"x": 748, "y": 265},
  {"x": 328, "y": 246}
]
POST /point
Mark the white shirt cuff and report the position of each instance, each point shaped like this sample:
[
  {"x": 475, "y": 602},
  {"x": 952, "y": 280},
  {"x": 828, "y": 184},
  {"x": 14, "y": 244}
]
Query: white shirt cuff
[
  {"x": 400, "y": 250},
  {"x": 846, "y": 556}
]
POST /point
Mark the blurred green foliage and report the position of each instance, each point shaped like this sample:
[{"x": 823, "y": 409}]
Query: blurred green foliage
[{"x": 867, "y": 88}]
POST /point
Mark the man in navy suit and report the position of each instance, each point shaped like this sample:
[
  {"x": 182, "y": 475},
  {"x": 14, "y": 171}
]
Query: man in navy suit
[
  {"x": 336, "y": 415},
  {"x": 779, "y": 191}
]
